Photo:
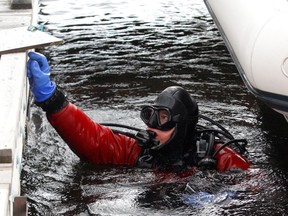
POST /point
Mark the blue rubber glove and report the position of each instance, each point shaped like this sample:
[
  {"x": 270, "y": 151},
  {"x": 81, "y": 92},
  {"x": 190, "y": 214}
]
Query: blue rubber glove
[{"x": 38, "y": 73}]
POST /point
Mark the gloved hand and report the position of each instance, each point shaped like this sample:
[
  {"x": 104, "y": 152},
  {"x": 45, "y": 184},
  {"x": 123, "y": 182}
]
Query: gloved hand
[{"x": 38, "y": 73}]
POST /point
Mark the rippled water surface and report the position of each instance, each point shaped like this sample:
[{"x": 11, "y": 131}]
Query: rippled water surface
[{"x": 116, "y": 57}]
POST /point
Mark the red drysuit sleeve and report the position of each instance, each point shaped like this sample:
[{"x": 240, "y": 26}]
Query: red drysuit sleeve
[
  {"x": 227, "y": 159},
  {"x": 92, "y": 142}
]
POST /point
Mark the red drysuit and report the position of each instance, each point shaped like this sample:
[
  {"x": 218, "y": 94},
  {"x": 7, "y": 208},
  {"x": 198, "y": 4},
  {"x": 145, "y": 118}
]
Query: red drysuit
[{"x": 97, "y": 144}]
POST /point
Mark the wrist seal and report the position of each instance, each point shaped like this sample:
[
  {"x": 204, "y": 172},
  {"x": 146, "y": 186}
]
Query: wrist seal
[{"x": 55, "y": 103}]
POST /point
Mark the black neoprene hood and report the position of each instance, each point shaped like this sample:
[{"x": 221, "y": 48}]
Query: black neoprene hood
[{"x": 179, "y": 102}]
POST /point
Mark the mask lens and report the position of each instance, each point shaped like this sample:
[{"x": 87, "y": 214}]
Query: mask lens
[
  {"x": 146, "y": 114},
  {"x": 156, "y": 117},
  {"x": 164, "y": 116}
]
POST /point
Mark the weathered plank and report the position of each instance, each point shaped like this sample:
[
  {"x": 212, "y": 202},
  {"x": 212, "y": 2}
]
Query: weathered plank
[
  {"x": 5, "y": 173},
  {"x": 4, "y": 199},
  {"x": 12, "y": 84},
  {"x": 13, "y": 110},
  {"x": 14, "y": 96},
  {"x": 5, "y": 156},
  {"x": 20, "y": 206},
  {"x": 21, "y": 39},
  {"x": 21, "y": 4},
  {"x": 13, "y": 22},
  {"x": 5, "y": 6}
]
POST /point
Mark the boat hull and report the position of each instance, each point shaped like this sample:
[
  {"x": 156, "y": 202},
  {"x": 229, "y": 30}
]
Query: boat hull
[{"x": 256, "y": 35}]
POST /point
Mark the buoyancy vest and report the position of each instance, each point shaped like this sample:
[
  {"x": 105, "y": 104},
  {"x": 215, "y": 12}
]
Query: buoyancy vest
[{"x": 203, "y": 154}]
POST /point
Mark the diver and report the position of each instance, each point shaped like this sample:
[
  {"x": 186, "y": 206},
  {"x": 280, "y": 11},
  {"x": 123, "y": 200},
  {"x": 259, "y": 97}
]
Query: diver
[{"x": 173, "y": 140}]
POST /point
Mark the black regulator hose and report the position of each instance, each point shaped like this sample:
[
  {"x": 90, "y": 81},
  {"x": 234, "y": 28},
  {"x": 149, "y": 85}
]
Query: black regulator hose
[
  {"x": 120, "y": 125},
  {"x": 129, "y": 134},
  {"x": 241, "y": 148},
  {"x": 215, "y": 131},
  {"x": 145, "y": 138},
  {"x": 227, "y": 133},
  {"x": 124, "y": 133},
  {"x": 223, "y": 131}
]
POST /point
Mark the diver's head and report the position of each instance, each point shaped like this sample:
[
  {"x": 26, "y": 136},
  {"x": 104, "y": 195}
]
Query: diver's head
[{"x": 173, "y": 116}]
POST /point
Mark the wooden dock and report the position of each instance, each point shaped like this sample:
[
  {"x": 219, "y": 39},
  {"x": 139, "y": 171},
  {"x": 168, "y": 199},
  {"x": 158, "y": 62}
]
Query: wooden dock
[{"x": 13, "y": 109}]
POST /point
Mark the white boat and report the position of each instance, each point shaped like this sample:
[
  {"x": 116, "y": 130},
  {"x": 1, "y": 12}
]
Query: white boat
[{"x": 256, "y": 35}]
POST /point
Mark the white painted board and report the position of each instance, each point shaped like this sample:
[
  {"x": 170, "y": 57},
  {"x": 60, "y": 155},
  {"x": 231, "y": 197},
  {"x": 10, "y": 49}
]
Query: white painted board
[{"x": 21, "y": 39}]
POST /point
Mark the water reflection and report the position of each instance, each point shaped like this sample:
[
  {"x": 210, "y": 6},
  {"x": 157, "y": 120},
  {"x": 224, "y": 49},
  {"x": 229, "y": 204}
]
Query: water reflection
[{"x": 117, "y": 56}]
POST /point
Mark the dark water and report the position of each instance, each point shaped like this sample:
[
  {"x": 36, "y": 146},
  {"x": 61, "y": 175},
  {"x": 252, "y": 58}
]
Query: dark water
[{"x": 117, "y": 56}]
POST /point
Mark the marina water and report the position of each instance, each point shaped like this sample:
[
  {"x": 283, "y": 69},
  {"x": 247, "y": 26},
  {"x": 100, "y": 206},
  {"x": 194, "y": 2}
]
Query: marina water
[{"x": 117, "y": 56}]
